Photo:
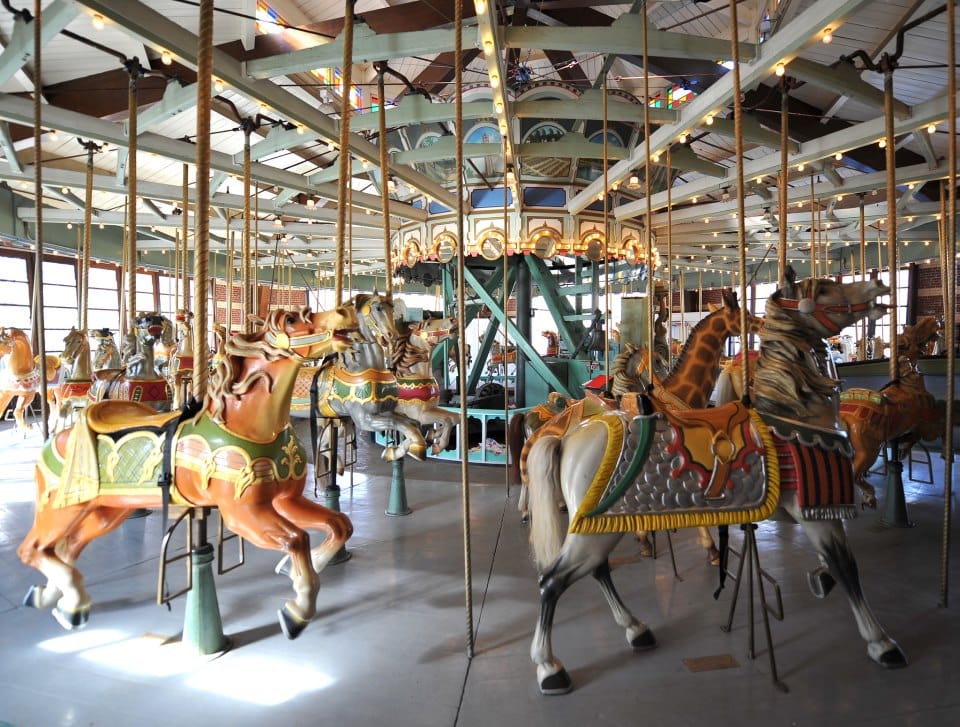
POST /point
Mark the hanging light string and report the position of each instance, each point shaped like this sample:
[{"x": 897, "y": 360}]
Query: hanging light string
[
  {"x": 201, "y": 240},
  {"x": 741, "y": 212},
  {"x": 461, "y": 316},
  {"x": 345, "y": 161},
  {"x": 38, "y": 317}
]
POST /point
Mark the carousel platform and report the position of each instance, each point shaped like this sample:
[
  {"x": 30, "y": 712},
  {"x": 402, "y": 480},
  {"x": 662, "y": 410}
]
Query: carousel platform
[{"x": 389, "y": 643}]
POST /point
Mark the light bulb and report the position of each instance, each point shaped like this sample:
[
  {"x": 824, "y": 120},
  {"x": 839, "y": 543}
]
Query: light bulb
[
  {"x": 494, "y": 80},
  {"x": 800, "y": 167},
  {"x": 838, "y": 156},
  {"x": 709, "y": 120},
  {"x": 683, "y": 138},
  {"x": 301, "y": 129},
  {"x": 53, "y": 135},
  {"x": 97, "y": 21},
  {"x": 827, "y": 36},
  {"x": 165, "y": 58},
  {"x": 780, "y": 69},
  {"x": 932, "y": 129},
  {"x": 480, "y": 6},
  {"x": 498, "y": 106},
  {"x": 218, "y": 85},
  {"x": 882, "y": 143}
]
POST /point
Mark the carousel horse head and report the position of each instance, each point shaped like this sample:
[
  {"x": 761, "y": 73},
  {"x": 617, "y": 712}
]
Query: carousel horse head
[
  {"x": 375, "y": 317},
  {"x": 825, "y": 307},
  {"x": 150, "y": 328},
  {"x": 74, "y": 344},
  {"x": 428, "y": 333}
]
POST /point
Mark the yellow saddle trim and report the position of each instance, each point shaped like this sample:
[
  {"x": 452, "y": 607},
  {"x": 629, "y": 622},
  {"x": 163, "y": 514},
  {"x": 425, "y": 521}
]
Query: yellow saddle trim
[{"x": 113, "y": 415}]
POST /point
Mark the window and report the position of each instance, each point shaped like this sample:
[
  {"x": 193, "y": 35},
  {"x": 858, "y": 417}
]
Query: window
[
  {"x": 60, "y": 311},
  {"x": 103, "y": 304},
  {"x": 14, "y": 292}
]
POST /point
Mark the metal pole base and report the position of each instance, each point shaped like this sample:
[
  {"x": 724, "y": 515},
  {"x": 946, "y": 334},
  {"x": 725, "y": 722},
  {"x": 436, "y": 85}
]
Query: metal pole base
[
  {"x": 202, "y": 628},
  {"x": 398, "y": 492},
  {"x": 895, "y": 503},
  {"x": 331, "y": 499}
]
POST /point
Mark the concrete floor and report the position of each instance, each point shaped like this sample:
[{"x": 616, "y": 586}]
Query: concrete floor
[{"x": 389, "y": 644}]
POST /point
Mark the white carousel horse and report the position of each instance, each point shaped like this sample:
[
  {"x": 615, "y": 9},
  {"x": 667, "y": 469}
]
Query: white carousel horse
[
  {"x": 107, "y": 355},
  {"x": 139, "y": 380},
  {"x": 77, "y": 378},
  {"x": 419, "y": 394},
  {"x": 615, "y": 471}
]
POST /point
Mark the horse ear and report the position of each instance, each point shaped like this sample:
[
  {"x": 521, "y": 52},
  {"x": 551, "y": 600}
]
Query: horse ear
[
  {"x": 788, "y": 282},
  {"x": 730, "y": 299},
  {"x": 255, "y": 319}
]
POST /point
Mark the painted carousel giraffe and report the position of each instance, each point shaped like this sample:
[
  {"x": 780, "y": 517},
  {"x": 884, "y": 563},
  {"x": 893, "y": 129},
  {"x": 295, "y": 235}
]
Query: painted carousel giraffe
[{"x": 687, "y": 386}]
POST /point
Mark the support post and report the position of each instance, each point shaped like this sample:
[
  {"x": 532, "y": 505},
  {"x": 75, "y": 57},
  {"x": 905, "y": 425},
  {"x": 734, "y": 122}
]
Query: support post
[
  {"x": 202, "y": 627},
  {"x": 331, "y": 493},
  {"x": 398, "y": 491},
  {"x": 895, "y": 503}
]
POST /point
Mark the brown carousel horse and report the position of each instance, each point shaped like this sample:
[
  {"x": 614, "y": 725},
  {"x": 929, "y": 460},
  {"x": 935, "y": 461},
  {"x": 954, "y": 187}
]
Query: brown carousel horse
[
  {"x": 139, "y": 380},
  {"x": 553, "y": 343},
  {"x": 238, "y": 454},
  {"x": 360, "y": 386},
  {"x": 21, "y": 378},
  {"x": 418, "y": 391},
  {"x": 727, "y": 465},
  {"x": 902, "y": 410}
]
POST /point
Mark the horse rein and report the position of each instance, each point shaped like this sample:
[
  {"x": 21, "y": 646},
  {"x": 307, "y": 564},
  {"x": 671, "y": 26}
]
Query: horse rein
[{"x": 819, "y": 311}]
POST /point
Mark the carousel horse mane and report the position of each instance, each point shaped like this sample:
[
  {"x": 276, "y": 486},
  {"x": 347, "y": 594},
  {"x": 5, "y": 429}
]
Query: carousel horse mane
[{"x": 230, "y": 377}]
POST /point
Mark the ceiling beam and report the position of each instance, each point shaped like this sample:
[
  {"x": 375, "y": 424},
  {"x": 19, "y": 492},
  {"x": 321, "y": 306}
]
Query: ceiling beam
[
  {"x": 844, "y": 77},
  {"x": 158, "y": 31},
  {"x": 368, "y": 46},
  {"x": 20, "y": 111},
  {"x": 6, "y": 143},
  {"x": 56, "y": 16},
  {"x": 790, "y": 40},
  {"x": 621, "y": 38}
]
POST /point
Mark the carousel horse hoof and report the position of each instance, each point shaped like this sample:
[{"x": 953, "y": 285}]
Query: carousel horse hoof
[
  {"x": 72, "y": 620},
  {"x": 291, "y": 626},
  {"x": 820, "y": 582},
  {"x": 646, "y": 549},
  {"x": 556, "y": 684},
  {"x": 713, "y": 556},
  {"x": 33, "y": 597},
  {"x": 892, "y": 658},
  {"x": 644, "y": 641}
]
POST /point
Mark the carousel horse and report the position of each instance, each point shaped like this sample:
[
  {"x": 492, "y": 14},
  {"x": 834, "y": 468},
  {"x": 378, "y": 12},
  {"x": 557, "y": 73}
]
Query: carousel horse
[
  {"x": 726, "y": 465},
  {"x": 237, "y": 453},
  {"x": 418, "y": 392},
  {"x": 77, "y": 378},
  {"x": 902, "y": 410},
  {"x": 553, "y": 343},
  {"x": 500, "y": 358},
  {"x": 180, "y": 366},
  {"x": 107, "y": 355},
  {"x": 164, "y": 347},
  {"x": 139, "y": 380},
  {"x": 21, "y": 377},
  {"x": 360, "y": 386}
]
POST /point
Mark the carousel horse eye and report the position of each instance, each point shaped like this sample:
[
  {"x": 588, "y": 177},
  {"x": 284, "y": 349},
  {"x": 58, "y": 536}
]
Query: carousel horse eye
[{"x": 291, "y": 320}]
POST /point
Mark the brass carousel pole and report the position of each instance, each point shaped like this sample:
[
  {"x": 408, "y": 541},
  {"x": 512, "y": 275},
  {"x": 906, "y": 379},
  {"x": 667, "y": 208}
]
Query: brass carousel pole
[
  {"x": 344, "y": 160},
  {"x": 782, "y": 211},
  {"x": 130, "y": 271},
  {"x": 461, "y": 338},
  {"x": 950, "y": 311},
  {"x": 184, "y": 286},
  {"x": 670, "y": 262},
  {"x": 749, "y": 550},
  {"x": 398, "y": 490},
  {"x": 246, "y": 272},
  {"x": 862, "y": 347},
  {"x": 38, "y": 317},
  {"x": 606, "y": 245},
  {"x": 895, "y": 503},
  {"x": 648, "y": 232},
  {"x": 202, "y": 627}
]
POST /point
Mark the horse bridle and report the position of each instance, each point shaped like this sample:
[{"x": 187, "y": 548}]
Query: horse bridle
[
  {"x": 285, "y": 342},
  {"x": 431, "y": 336},
  {"x": 819, "y": 310}
]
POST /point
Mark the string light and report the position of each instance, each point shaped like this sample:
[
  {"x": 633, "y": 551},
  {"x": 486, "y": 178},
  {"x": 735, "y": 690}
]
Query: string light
[
  {"x": 165, "y": 58},
  {"x": 780, "y": 70},
  {"x": 97, "y": 22},
  {"x": 838, "y": 156},
  {"x": 932, "y": 129},
  {"x": 218, "y": 85},
  {"x": 827, "y": 36}
]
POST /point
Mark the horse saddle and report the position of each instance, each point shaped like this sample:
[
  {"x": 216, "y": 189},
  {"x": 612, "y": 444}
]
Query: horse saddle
[{"x": 115, "y": 416}]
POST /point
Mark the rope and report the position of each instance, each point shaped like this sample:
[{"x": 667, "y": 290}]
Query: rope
[
  {"x": 862, "y": 348},
  {"x": 231, "y": 252},
  {"x": 384, "y": 174},
  {"x": 347, "y": 36},
  {"x": 606, "y": 243},
  {"x": 950, "y": 311},
  {"x": 40, "y": 338},
  {"x": 461, "y": 337},
  {"x": 669, "y": 261},
  {"x": 648, "y": 233},
  {"x": 782, "y": 211},
  {"x": 185, "y": 206},
  {"x": 130, "y": 271},
  {"x": 84, "y": 273},
  {"x": 201, "y": 245},
  {"x": 741, "y": 211},
  {"x": 246, "y": 273},
  {"x": 893, "y": 256}
]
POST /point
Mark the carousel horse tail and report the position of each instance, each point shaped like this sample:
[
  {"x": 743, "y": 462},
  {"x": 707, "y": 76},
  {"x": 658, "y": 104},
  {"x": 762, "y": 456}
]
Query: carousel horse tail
[
  {"x": 515, "y": 439},
  {"x": 546, "y": 531}
]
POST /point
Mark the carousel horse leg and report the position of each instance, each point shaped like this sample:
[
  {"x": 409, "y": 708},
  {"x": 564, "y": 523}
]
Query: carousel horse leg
[
  {"x": 266, "y": 527},
  {"x": 580, "y": 555},
  {"x": 523, "y": 503},
  {"x": 706, "y": 542},
  {"x": 310, "y": 516},
  {"x": 20, "y": 412},
  {"x": 830, "y": 541}
]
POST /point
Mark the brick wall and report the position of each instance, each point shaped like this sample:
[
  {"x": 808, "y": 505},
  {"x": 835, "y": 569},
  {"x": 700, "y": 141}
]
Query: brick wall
[{"x": 929, "y": 290}]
